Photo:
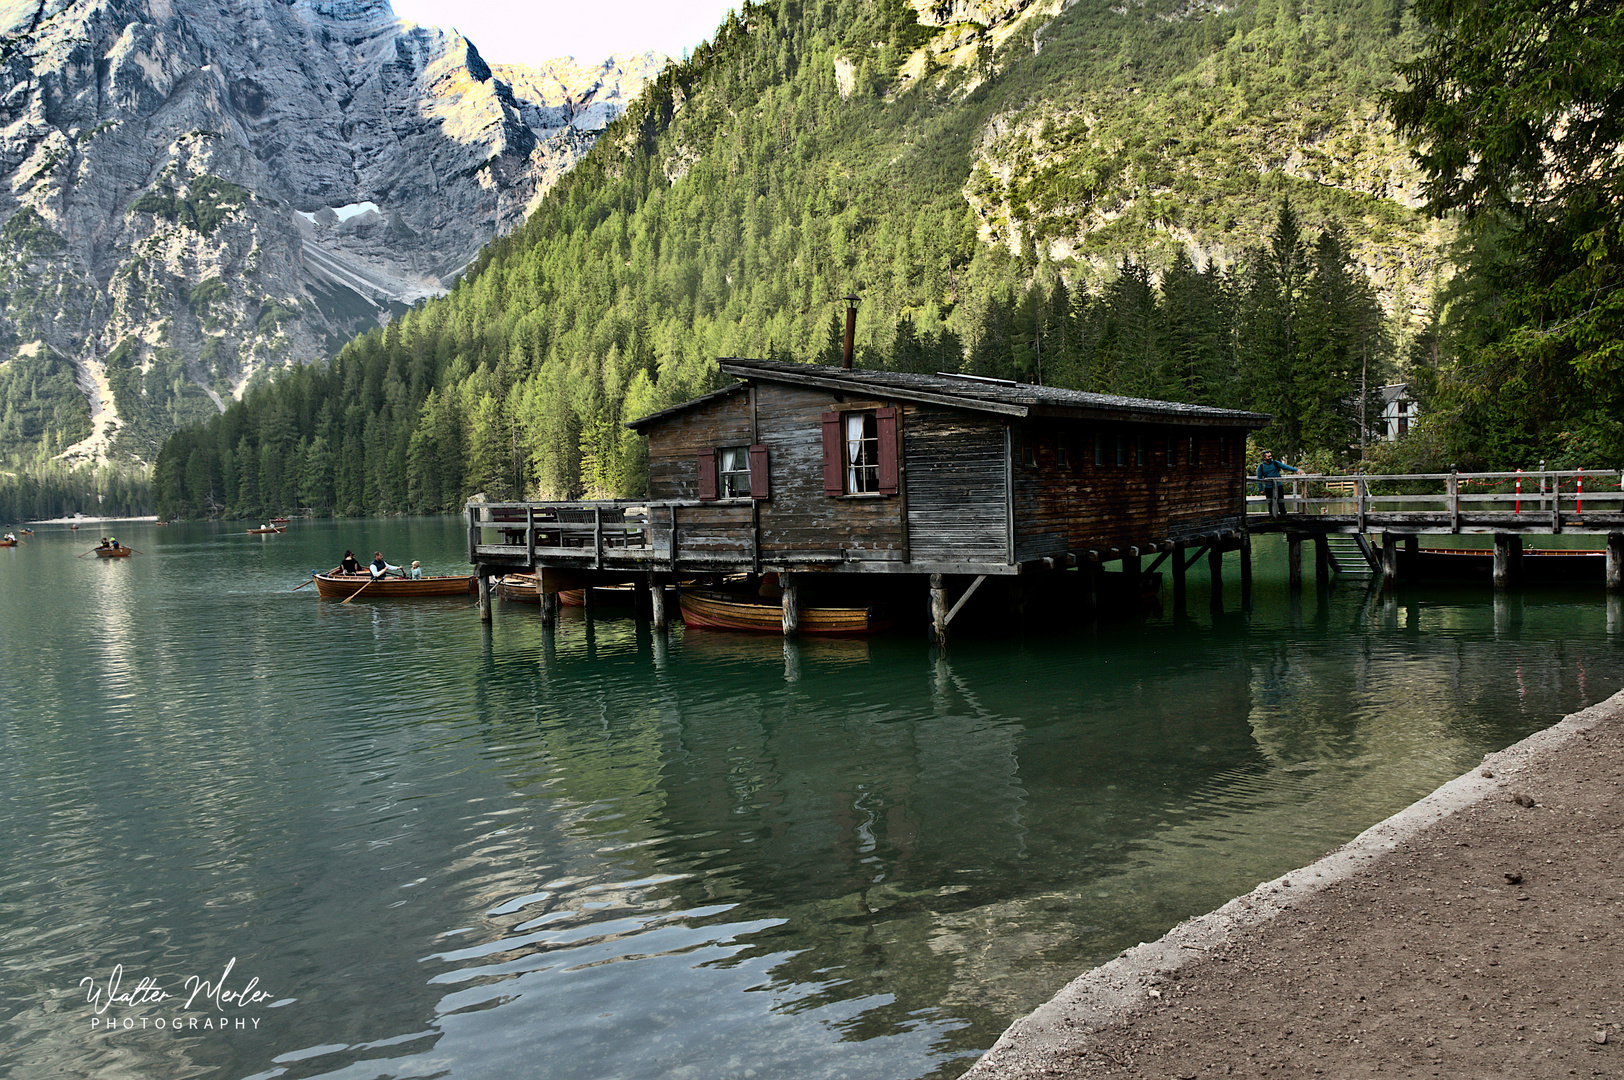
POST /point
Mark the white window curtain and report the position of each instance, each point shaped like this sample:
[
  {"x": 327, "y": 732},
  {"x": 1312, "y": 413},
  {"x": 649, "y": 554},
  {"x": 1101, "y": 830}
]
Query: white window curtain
[{"x": 854, "y": 450}]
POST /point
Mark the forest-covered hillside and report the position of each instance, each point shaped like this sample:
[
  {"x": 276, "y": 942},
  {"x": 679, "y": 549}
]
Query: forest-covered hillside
[{"x": 1179, "y": 200}]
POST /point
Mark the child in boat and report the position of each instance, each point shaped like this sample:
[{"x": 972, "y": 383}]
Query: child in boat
[{"x": 417, "y": 570}]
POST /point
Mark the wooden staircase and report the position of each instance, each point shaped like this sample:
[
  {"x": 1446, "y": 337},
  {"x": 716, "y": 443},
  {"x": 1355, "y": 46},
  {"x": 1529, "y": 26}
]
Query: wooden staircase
[{"x": 1351, "y": 555}]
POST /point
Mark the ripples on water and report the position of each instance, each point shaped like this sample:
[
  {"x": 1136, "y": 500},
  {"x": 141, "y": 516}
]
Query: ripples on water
[{"x": 597, "y": 853}]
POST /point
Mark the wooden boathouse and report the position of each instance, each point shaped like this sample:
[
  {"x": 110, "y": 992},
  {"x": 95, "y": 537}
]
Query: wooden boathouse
[{"x": 850, "y": 481}]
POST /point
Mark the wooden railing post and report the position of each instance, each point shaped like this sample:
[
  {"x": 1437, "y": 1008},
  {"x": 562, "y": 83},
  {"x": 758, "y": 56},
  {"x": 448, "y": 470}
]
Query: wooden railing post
[
  {"x": 597, "y": 537},
  {"x": 1363, "y": 492},
  {"x": 530, "y": 536},
  {"x": 1454, "y": 499}
]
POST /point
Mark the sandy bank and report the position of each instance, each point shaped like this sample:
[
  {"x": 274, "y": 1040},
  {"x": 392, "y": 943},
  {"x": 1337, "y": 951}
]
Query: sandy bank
[{"x": 1477, "y": 933}]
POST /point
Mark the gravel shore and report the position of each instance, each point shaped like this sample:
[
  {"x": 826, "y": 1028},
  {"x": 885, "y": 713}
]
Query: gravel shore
[{"x": 1478, "y": 933}]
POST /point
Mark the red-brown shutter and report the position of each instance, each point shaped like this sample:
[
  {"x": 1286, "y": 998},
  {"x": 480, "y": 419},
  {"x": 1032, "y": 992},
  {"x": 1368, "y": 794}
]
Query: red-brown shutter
[
  {"x": 707, "y": 474},
  {"x": 886, "y": 421},
  {"x": 759, "y": 486},
  {"x": 834, "y": 459}
]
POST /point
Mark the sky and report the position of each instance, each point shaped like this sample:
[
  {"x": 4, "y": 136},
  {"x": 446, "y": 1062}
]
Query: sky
[{"x": 520, "y": 32}]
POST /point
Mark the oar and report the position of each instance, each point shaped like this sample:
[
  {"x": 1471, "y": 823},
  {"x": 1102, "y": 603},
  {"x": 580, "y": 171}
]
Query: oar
[
  {"x": 132, "y": 551},
  {"x": 312, "y": 577},
  {"x": 361, "y": 590},
  {"x": 92, "y": 551}
]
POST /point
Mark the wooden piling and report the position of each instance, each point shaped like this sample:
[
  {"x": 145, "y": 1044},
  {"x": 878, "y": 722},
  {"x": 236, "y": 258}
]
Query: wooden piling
[
  {"x": 1322, "y": 560},
  {"x": 1502, "y": 561},
  {"x": 484, "y": 594},
  {"x": 656, "y": 602},
  {"x": 790, "y": 602},
  {"x": 549, "y": 608},
  {"x": 1389, "y": 559},
  {"x": 1294, "y": 561},
  {"x": 938, "y": 610},
  {"x": 1246, "y": 570},
  {"x": 1615, "y": 562}
]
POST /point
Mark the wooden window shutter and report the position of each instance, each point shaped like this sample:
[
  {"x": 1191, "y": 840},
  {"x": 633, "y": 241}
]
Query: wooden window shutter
[
  {"x": 759, "y": 486},
  {"x": 834, "y": 458},
  {"x": 886, "y": 421},
  {"x": 707, "y": 474}
]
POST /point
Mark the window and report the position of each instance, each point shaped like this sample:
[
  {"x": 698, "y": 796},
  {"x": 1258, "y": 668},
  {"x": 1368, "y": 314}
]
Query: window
[
  {"x": 1195, "y": 450},
  {"x": 1139, "y": 450},
  {"x": 1172, "y": 451},
  {"x": 860, "y": 453},
  {"x": 1099, "y": 448},
  {"x": 733, "y": 472},
  {"x": 1121, "y": 451},
  {"x": 1029, "y": 450},
  {"x": 1060, "y": 449},
  {"x": 1223, "y": 450}
]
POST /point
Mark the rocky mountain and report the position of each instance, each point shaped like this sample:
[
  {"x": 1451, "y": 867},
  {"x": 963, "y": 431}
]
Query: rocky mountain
[{"x": 197, "y": 193}]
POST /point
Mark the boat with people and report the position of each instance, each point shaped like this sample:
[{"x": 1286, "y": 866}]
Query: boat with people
[
  {"x": 114, "y": 552},
  {"x": 714, "y": 609},
  {"x": 268, "y": 529},
  {"x": 6, "y": 541},
  {"x": 343, "y": 586}
]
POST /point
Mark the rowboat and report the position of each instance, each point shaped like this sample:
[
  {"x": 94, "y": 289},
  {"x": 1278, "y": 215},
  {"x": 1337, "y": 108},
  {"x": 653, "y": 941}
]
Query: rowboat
[
  {"x": 714, "y": 610},
  {"x": 267, "y": 529},
  {"x": 279, "y": 521},
  {"x": 113, "y": 553},
  {"x": 340, "y": 586},
  {"x": 1547, "y": 565},
  {"x": 621, "y": 595},
  {"x": 8, "y": 543},
  {"x": 519, "y": 588}
]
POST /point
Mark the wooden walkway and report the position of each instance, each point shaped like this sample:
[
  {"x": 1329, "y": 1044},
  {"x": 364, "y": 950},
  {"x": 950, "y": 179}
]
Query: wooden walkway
[{"x": 1380, "y": 513}]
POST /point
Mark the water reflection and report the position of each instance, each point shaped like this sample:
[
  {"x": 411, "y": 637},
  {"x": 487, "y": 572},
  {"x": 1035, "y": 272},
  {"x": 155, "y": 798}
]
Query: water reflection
[{"x": 593, "y": 851}]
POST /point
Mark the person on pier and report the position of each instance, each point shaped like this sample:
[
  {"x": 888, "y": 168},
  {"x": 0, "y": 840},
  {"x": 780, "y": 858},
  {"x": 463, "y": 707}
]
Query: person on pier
[{"x": 1268, "y": 471}]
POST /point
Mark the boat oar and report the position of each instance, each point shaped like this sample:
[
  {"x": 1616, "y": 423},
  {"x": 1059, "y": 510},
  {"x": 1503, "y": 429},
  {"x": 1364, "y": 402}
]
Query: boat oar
[
  {"x": 92, "y": 551},
  {"x": 361, "y": 590},
  {"x": 311, "y": 578}
]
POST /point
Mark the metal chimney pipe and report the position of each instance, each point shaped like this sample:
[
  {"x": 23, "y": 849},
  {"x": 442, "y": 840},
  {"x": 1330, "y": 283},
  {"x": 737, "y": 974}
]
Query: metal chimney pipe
[{"x": 851, "y": 332}]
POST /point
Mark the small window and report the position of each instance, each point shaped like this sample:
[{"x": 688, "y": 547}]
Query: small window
[
  {"x": 1223, "y": 451},
  {"x": 1172, "y": 452},
  {"x": 1099, "y": 448},
  {"x": 1121, "y": 451},
  {"x": 1139, "y": 450},
  {"x": 1029, "y": 451},
  {"x": 862, "y": 444},
  {"x": 1195, "y": 450},
  {"x": 1060, "y": 449},
  {"x": 733, "y": 472}
]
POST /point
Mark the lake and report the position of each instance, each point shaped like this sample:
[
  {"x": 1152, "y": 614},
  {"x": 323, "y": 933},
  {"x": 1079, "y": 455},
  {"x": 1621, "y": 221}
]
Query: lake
[{"x": 252, "y": 833}]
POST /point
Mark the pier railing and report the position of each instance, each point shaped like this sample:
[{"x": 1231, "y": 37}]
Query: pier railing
[
  {"x": 1537, "y": 500},
  {"x": 612, "y": 533}
]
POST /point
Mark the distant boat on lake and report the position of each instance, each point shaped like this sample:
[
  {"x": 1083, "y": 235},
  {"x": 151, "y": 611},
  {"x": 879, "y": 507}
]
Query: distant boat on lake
[
  {"x": 340, "y": 586},
  {"x": 268, "y": 529},
  {"x": 113, "y": 553}
]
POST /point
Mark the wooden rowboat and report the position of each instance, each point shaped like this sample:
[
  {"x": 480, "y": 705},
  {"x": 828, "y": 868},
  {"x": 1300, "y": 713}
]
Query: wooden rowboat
[
  {"x": 340, "y": 586},
  {"x": 267, "y": 529},
  {"x": 713, "y": 610},
  {"x": 519, "y": 588},
  {"x": 8, "y": 543},
  {"x": 113, "y": 553}
]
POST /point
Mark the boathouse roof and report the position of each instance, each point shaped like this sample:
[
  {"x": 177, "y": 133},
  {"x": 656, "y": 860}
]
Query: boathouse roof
[{"x": 976, "y": 394}]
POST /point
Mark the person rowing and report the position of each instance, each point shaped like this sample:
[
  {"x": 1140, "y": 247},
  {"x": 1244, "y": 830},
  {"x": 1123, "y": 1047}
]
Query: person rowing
[{"x": 380, "y": 568}]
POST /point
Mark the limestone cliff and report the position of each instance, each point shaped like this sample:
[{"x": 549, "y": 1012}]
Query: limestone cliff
[{"x": 195, "y": 194}]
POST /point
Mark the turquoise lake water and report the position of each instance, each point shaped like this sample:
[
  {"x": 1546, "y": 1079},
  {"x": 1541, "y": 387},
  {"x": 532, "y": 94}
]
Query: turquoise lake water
[{"x": 382, "y": 839}]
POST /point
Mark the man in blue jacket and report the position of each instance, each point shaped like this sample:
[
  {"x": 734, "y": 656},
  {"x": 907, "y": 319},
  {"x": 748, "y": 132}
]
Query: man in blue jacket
[{"x": 1268, "y": 471}]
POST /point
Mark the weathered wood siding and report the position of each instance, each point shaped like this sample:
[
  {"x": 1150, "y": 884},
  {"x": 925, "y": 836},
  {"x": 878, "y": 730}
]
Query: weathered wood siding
[
  {"x": 1079, "y": 505},
  {"x": 956, "y": 482},
  {"x": 800, "y": 518}
]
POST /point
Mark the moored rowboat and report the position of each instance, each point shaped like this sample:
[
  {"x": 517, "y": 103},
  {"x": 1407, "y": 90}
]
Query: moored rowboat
[
  {"x": 340, "y": 586},
  {"x": 729, "y": 611},
  {"x": 519, "y": 588}
]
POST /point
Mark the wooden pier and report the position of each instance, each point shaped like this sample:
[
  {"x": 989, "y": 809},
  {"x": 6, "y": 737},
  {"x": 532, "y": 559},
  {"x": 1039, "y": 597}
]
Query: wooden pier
[{"x": 1363, "y": 524}]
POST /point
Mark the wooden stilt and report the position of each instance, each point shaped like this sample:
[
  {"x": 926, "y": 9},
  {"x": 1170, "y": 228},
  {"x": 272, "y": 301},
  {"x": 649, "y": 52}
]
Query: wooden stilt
[
  {"x": 1389, "y": 559},
  {"x": 938, "y": 610},
  {"x": 1179, "y": 585},
  {"x": 1615, "y": 562},
  {"x": 1502, "y": 561},
  {"x": 791, "y": 604},
  {"x": 484, "y": 594},
  {"x": 1294, "y": 561},
  {"x": 549, "y": 608},
  {"x": 1322, "y": 560},
  {"x": 656, "y": 602}
]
